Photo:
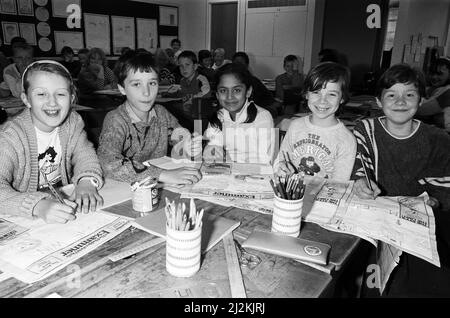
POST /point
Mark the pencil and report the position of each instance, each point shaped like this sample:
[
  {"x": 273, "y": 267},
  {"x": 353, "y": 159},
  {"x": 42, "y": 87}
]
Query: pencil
[
  {"x": 52, "y": 189},
  {"x": 365, "y": 172}
]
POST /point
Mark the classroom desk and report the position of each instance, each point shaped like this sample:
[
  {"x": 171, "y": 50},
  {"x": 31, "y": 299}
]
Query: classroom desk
[{"x": 144, "y": 274}]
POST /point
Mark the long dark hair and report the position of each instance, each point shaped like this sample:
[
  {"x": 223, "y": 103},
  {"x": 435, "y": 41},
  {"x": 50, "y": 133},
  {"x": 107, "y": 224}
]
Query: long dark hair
[{"x": 242, "y": 75}]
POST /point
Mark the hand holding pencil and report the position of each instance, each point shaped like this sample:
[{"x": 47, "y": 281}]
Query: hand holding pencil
[{"x": 364, "y": 187}]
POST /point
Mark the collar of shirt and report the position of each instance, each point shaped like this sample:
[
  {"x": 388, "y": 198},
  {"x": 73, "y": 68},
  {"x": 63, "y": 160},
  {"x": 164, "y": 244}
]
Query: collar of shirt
[
  {"x": 135, "y": 119},
  {"x": 241, "y": 116}
]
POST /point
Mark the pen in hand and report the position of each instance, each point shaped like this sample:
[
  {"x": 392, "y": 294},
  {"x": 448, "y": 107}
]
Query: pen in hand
[
  {"x": 52, "y": 188},
  {"x": 369, "y": 184}
]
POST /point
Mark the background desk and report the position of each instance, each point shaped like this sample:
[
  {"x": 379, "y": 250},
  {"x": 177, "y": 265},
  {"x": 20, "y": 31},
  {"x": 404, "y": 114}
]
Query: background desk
[{"x": 144, "y": 275}]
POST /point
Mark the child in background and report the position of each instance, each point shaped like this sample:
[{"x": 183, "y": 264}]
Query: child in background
[
  {"x": 97, "y": 75},
  {"x": 320, "y": 144},
  {"x": 161, "y": 61},
  {"x": 139, "y": 130},
  {"x": 291, "y": 80},
  {"x": 175, "y": 44},
  {"x": 192, "y": 84},
  {"x": 12, "y": 74},
  {"x": 241, "y": 129},
  {"x": 73, "y": 66},
  {"x": 204, "y": 65},
  {"x": 83, "y": 57},
  {"x": 219, "y": 58},
  {"x": 405, "y": 157},
  {"x": 49, "y": 135}
]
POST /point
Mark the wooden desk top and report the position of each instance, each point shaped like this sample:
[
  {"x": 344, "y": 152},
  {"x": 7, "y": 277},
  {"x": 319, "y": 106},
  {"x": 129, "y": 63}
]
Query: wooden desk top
[{"x": 144, "y": 274}]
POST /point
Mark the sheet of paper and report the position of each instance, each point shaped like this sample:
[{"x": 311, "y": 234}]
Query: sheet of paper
[
  {"x": 168, "y": 163},
  {"x": 47, "y": 248},
  {"x": 9, "y": 231}
]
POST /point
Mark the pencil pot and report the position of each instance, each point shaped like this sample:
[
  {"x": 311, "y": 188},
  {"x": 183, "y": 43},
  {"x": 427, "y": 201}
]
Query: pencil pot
[
  {"x": 145, "y": 198},
  {"x": 183, "y": 251},
  {"x": 287, "y": 216}
]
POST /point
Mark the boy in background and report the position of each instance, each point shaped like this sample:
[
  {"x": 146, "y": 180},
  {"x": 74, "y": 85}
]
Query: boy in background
[
  {"x": 289, "y": 82},
  {"x": 12, "y": 74}
]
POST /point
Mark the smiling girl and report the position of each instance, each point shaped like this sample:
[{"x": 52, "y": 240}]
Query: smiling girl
[
  {"x": 47, "y": 125},
  {"x": 320, "y": 140},
  {"x": 239, "y": 131}
]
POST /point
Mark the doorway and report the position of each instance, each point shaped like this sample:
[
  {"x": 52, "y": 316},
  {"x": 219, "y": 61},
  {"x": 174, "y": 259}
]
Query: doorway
[{"x": 224, "y": 27}]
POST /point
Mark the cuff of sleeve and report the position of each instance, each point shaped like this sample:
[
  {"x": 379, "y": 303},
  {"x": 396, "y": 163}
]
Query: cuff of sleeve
[
  {"x": 98, "y": 179},
  {"x": 30, "y": 202}
]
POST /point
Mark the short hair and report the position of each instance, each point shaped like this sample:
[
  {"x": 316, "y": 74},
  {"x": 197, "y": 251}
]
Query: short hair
[
  {"x": 175, "y": 41},
  {"x": 83, "y": 51},
  {"x": 66, "y": 50},
  {"x": 221, "y": 50},
  {"x": 48, "y": 66},
  {"x": 204, "y": 54},
  {"x": 290, "y": 58},
  {"x": 190, "y": 55},
  {"x": 328, "y": 72},
  {"x": 133, "y": 61},
  {"x": 441, "y": 62},
  {"x": 404, "y": 74},
  {"x": 99, "y": 52},
  {"x": 17, "y": 40},
  {"x": 242, "y": 55},
  {"x": 238, "y": 70}
]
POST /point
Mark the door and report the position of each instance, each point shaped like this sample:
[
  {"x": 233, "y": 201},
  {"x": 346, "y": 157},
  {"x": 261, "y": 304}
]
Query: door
[{"x": 224, "y": 27}]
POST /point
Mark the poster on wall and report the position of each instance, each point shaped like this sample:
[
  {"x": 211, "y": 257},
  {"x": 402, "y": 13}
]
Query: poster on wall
[
  {"x": 168, "y": 16},
  {"x": 147, "y": 34},
  {"x": 42, "y": 14},
  {"x": 45, "y": 44},
  {"x": 165, "y": 40},
  {"x": 10, "y": 30},
  {"x": 68, "y": 38},
  {"x": 28, "y": 32},
  {"x": 97, "y": 34},
  {"x": 25, "y": 7},
  {"x": 123, "y": 33},
  {"x": 8, "y": 7},
  {"x": 41, "y": 2},
  {"x": 59, "y": 7}
]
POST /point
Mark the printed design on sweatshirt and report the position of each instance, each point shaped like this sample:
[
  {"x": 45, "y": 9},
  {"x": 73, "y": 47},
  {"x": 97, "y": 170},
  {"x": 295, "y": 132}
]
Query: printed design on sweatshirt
[
  {"x": 49, "y": 165},
  {"x": 313, "y": 157}
]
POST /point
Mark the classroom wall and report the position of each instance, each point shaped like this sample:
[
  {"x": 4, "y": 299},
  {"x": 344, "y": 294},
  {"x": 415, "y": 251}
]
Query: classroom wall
[
  {"x": 191, "y": 22},
  {"x": 429, "y": 17},
  {"x": 345, "y": 29}
]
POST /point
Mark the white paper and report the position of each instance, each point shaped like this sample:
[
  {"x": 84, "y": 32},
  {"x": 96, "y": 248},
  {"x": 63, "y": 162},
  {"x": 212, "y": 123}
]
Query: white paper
[
  {"x": 147, "y": 34},
  {"x": 96, "y": 27},
  {"x": 123, "y": 33},
  {"x": 67, "y": 38},
  {"x": 47, "y": 248},
  {"x": 168, "y": 163}
]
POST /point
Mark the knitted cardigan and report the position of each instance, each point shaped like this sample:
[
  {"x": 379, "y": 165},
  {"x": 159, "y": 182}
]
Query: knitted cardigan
[{"x": 19, "y": 171}]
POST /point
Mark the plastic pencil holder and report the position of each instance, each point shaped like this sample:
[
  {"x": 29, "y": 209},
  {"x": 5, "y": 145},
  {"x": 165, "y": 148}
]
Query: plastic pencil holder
[
  {"x": 287, "y": 216},
  {"x": 145, "y": 198},
  {"x": 183, "y": 250}
]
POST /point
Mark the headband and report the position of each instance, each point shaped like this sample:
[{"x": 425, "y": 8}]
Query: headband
[{"x": 44, "y": 62}]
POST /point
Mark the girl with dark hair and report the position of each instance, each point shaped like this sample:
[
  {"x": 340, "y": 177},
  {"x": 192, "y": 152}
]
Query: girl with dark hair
[
  {"x": 321, "y": 137},
  {"x": 239, "y": 131}
]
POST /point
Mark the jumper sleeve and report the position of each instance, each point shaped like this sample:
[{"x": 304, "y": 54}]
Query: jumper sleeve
[
  {"x": 345, "y": 158},
  {"x": 110, "y": 152},
  {"x": 204, "y": 86},
  {"x": 364, "y": 148},
  {"x": 12, "y": 201},
  {"x": 85, "y": 162}
]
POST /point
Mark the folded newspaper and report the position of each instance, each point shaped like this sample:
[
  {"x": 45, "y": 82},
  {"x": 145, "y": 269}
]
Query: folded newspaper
[{"x": 406, "y": 223}]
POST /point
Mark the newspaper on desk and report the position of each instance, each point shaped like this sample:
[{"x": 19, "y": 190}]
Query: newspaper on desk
[
  {"x": 47, "y": 248},
  {"x": 400, "y": 223}
]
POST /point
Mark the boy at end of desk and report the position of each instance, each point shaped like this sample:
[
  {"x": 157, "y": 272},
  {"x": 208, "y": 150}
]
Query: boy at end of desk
[
  {"x": 192, "y": 84},
  {"x": 320, "y": 144},
  {"x": 405, "y": 157},
  {"x": 139, "y": 129},
  {"x": 46, "y": 144}
]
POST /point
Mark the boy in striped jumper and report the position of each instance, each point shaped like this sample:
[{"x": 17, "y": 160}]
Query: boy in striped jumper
[{"x": 406, "y": 157}]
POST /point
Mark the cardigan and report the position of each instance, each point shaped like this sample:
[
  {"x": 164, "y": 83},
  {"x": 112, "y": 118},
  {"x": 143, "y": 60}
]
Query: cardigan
[{"x": 19, "y": 172}]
